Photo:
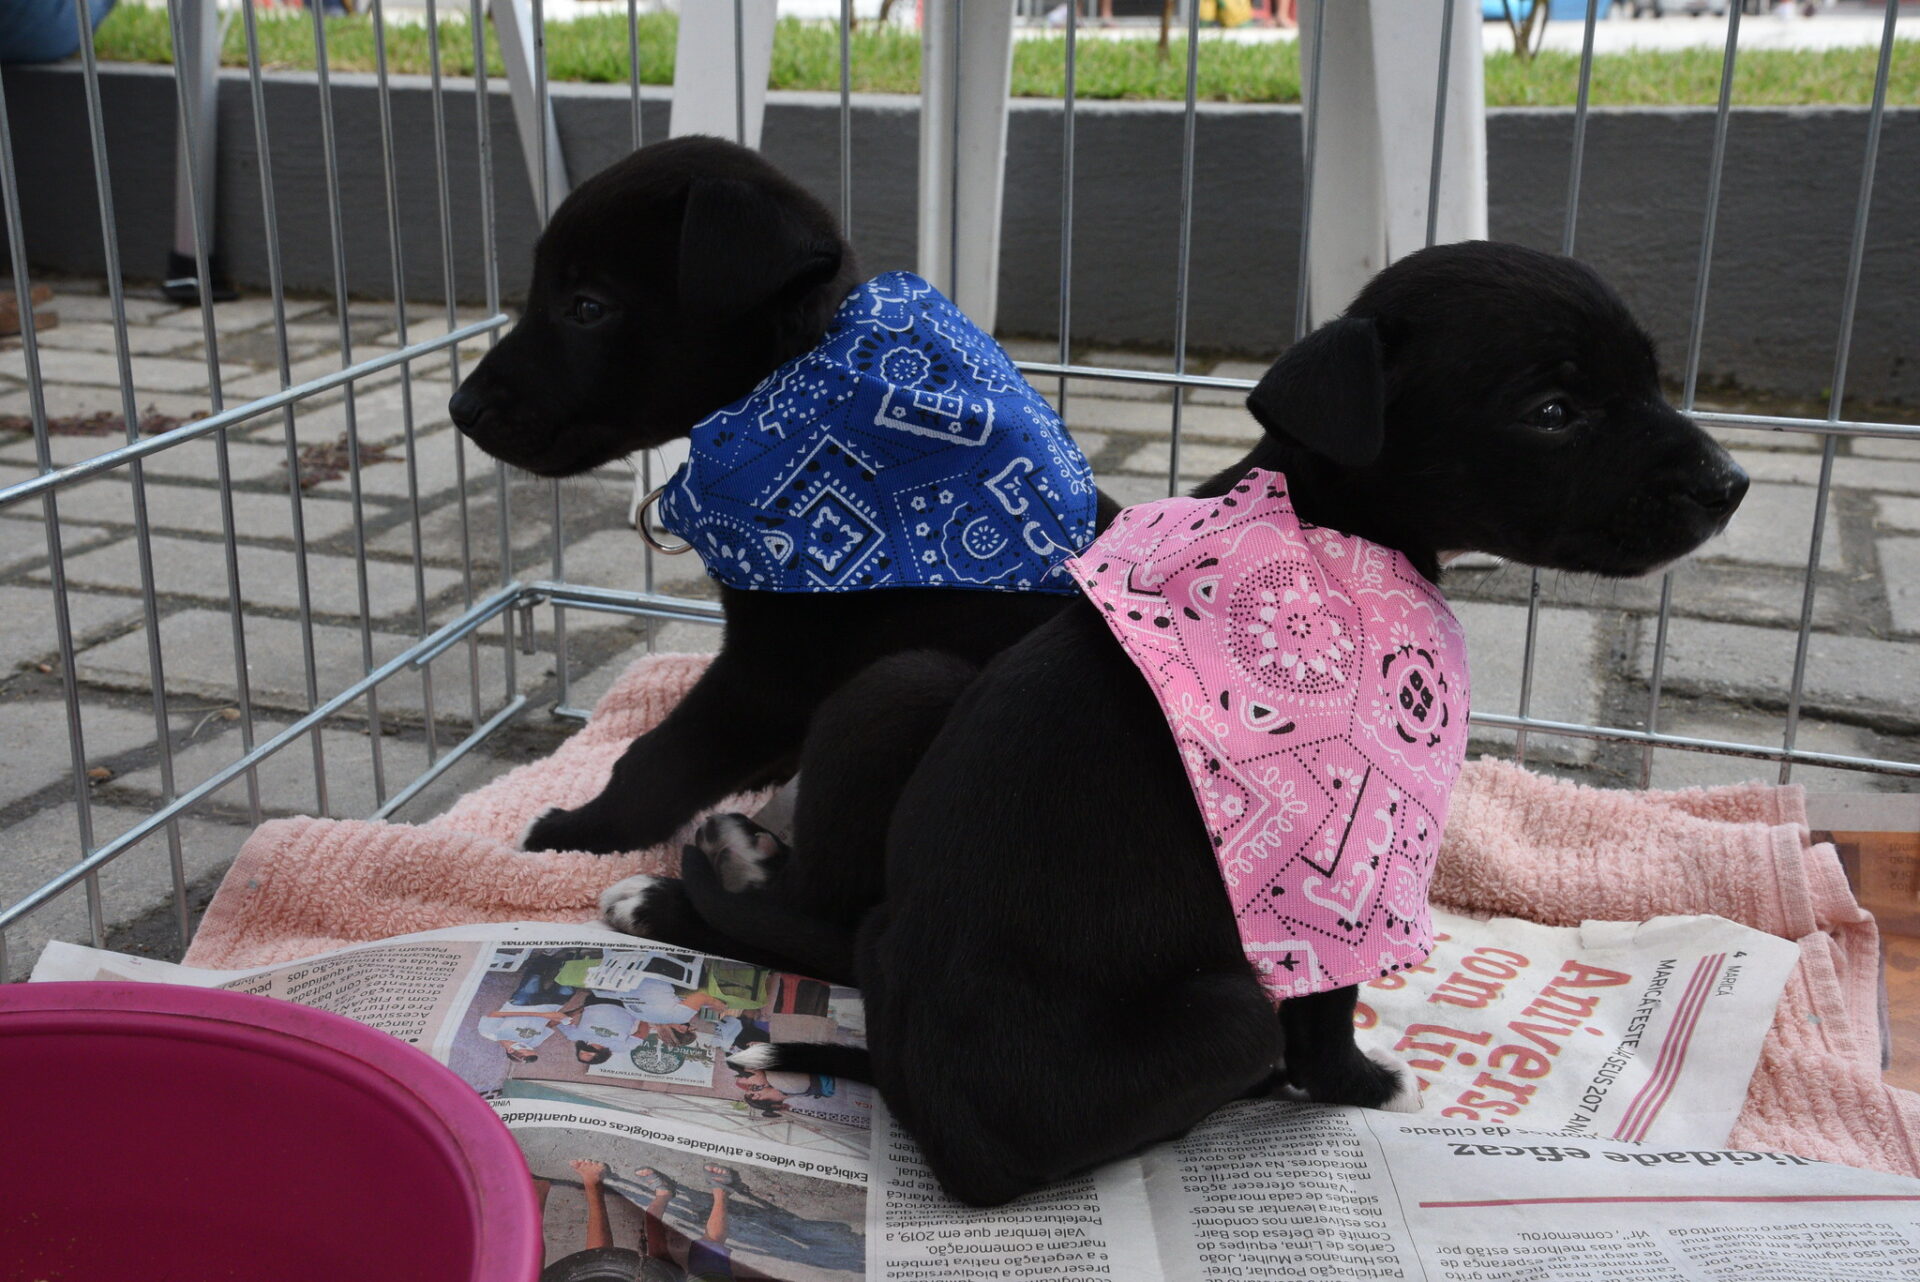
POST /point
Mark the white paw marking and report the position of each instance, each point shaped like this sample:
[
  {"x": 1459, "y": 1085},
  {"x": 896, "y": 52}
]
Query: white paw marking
[
  {"x": 1407, "y": 1098},
  {"x": 623, "y": 905},
  {"x": 739, "y": 852},
  {"x": 758, "y": 1056},
  {"x": 520, "y": 842}
]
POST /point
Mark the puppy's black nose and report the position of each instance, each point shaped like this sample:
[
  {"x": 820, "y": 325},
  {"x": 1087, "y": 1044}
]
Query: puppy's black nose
[
  {"x": 466, "y": 405},
  {"x": 1719, "y": 493}
]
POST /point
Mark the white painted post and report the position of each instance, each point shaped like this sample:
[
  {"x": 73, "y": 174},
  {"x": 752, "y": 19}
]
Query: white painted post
[
  {"x": 966, "y": 66},
  {"x": 199, "y": 64},
  {"x": 513, "y": 24},
  {"x": 1380, "y": 72},
  {"x": 715, "y": 92}
]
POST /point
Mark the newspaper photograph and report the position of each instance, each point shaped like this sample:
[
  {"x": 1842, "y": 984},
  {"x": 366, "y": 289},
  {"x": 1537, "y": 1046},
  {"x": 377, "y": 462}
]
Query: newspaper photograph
[{"x": 1579, "y": 1084}]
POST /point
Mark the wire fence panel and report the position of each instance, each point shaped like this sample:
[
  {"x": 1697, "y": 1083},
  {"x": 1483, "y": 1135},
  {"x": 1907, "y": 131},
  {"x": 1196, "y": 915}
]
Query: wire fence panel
[{"x": 294, "y": 590}]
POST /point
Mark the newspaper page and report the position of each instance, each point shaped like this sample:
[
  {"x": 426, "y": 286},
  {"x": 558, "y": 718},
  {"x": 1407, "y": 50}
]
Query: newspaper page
[
  {"x": 1618, "y": 1030},
  {"x": 605, "y": 1055},
  {"x": 1280, "y": 1191}
]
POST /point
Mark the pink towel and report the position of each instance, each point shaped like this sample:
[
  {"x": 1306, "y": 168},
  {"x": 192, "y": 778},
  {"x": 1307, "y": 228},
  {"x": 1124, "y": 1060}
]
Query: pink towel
[
  {"x": 1517, "y": 844},
  {"x": 305, "y": 886}
]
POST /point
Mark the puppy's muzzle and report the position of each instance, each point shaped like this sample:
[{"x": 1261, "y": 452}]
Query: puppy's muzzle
[
  {"x": 1719, "y": 493},
  {"x": 466, "y": 407}
]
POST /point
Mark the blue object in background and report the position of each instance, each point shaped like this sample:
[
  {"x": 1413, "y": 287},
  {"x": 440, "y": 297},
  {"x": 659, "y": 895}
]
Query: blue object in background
[
  {"x": 1557, "y": 10},
  {"x": 43, "y": 30}
]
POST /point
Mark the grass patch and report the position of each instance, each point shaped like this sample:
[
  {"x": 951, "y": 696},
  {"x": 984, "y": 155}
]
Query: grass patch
[{"x": 887, "y": 60}]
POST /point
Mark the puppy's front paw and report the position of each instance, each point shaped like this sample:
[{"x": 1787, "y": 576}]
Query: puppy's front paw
[
  {"x": 754, "y": 1058},
  {"x": 743, "y": 854},
  {"x": 1406, "y": 1095},
  {"x": 558, "y": 829},
  {"x": 625, "y": 904}
]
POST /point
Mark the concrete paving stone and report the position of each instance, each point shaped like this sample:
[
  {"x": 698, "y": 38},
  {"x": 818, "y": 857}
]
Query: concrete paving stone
[
  {"x": 100, "y": 336},
  {"x": 34, "y": 744},
  {"x": 267, "y": 382},
  {"x": 194, "y": 509},
  {"x": 37, "y": 849},
  {"x": 440, "y": 532},
  {"x": 62, "y": 449},
  {"x": 241, "y": 313},
  {"x": 67, "y": 399},
  {"x": 1900, "y": 572},
  {"x": 421, "y": 330},
  {"x": 150, "y": 373},
  {"x": 475, "y": 770},
  {"x": 1759, "y": 438},
  {"x": 1676, "y": 768},
  {"x": 1884, "y": 476},
  {"x": 588, "y": 504},
  {"x": 1716, "y": 590},
  {"x": 1145, "y": 418},
  {"x": 1030, "y": 349},
  {"x": 434, "y": 459},
  {"x": 189, "y": 568},
  {"x": 1886, "y": 447},
  {"x": 287, "y": 778},
  {"x": 30, "y": 632},
  {"x": 669, "y": 638},
  {"x": 1566, "y": 672},
  {"x": 1091, "y": 443},
  {"x": 23, "y": 543},
  {"x": 377, "y": 412},
  {"x": 615, "y": 559},
  {"x": 1735, "y": 660},
  {"x": 1899, "y": 514},
  {"x": 1773, "y": 527},
  {"x": 1252, "y": 371},
  {"x": 1128, "y": 490},
  {"x": 1198, "y": 460},
  {"x": 198, "y": 654},
  {"x": 99, "y": 307},
  {"x": 1108, "y": 389},
  {"x": 248, "y": 462}
]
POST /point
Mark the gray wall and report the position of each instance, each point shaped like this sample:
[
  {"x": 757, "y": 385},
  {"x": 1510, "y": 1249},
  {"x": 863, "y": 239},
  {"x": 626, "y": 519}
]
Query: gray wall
[{"x": 1785, "y": 219}]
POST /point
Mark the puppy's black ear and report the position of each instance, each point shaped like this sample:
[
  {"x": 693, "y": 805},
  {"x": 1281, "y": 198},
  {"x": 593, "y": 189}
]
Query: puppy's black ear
[
  {"x": 742, "y": 246},
  {"x": 1328, "y": 392}
]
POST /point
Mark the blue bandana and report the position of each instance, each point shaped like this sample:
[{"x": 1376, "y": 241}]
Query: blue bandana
[{"x": 905, "y": 451}]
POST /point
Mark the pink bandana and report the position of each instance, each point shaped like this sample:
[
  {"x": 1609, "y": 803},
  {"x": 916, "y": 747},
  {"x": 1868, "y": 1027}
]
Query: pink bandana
[{"x": 1316, "y": 686}]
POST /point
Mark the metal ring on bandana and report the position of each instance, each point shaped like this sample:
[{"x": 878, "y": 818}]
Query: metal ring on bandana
[{"x": 640, "y": 527}]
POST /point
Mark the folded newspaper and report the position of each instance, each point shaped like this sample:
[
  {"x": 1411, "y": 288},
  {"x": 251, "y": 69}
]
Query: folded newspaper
[{"x": 1578, "y": 1087}]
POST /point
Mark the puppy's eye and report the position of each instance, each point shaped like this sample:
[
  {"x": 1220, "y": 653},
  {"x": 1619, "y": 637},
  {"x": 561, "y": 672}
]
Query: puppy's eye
[
  {"x": 586, "y": 311},
  {"x": 1551, "y": 417}
]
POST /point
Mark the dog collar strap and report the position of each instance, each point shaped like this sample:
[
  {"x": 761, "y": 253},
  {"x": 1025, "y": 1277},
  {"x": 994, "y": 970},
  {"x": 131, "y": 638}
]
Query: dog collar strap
[
  {"x": 904, "y": 451},
  {"x": 1316, "y": 688}
]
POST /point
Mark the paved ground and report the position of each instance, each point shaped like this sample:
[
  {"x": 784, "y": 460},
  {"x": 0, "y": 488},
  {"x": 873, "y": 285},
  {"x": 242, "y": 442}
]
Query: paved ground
[{"x": 1730, "y": 653}]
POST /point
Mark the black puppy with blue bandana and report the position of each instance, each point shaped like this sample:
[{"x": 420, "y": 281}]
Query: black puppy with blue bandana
[{"x": 667, "y": 289}]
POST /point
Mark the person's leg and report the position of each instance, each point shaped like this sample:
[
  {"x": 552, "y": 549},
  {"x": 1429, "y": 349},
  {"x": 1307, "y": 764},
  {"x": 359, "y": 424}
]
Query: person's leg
[{"x": 717, "y": 1218}]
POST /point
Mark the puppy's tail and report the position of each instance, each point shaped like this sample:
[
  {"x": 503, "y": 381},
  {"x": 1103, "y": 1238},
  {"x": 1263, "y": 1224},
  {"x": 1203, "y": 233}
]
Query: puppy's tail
[{"x": 820, "y": 1058}]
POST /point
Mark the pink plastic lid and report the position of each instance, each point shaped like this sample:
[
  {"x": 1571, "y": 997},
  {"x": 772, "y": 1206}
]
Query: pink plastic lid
[{"x": 160, "y": 1131}]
